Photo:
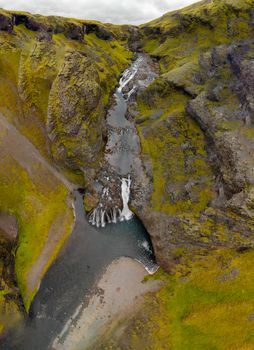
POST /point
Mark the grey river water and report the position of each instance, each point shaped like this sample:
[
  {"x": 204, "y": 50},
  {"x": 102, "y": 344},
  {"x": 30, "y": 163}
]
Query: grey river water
[
  {"x": 72, "y": 279},
  {"x": 73, "y": 276}
]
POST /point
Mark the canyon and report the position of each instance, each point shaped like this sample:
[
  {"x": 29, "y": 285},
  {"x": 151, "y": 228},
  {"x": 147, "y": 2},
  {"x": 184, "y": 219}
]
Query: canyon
[{"x": 166, "y": 144}]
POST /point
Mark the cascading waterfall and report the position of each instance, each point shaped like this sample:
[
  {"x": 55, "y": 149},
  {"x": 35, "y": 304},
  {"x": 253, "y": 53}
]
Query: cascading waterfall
[
  {"x": 126, "y": 213},
  {"x": 121, "y": 150},
  {"x": 100, "y": 215},
  {"x": 106, "y": 212}
]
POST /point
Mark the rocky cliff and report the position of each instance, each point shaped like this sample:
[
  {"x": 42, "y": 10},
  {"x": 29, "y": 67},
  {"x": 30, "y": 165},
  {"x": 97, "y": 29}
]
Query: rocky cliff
[{"x": 196, "y": 129}]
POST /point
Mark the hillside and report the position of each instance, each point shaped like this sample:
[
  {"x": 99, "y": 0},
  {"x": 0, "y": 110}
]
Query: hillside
[{"x": 56, "y": 79}]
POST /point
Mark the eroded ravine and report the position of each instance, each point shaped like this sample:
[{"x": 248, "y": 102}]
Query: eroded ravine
[
  {"x": 69, "y": 286},
  {"x": 123, "y": 146}
]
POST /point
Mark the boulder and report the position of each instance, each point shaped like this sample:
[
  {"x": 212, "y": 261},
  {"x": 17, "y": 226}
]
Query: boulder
[{"x": 8, "y": 227}]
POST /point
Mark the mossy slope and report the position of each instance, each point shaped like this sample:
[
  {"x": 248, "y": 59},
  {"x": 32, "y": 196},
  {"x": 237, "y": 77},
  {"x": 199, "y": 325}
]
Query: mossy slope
[
  {"x": 206, "y": 304},
  {"x": 56, "y": 78}
]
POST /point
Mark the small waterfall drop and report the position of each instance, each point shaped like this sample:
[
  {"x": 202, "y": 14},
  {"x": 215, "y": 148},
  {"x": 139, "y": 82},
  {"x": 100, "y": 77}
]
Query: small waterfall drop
[
  {"x": 122, "y": 149},
  {"x": 102, "y": 215},
  {"x": 126, "y": 213}
]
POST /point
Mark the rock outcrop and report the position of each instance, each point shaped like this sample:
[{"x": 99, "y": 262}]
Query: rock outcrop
[{"x": 196, "y": 125}]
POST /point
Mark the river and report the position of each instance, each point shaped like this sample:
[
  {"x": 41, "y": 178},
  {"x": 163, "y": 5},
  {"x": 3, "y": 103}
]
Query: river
[{"x": 71, "y": 281}]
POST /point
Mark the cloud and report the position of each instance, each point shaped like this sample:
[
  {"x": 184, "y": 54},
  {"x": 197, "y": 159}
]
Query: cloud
[{"x": 113, "y": 11}]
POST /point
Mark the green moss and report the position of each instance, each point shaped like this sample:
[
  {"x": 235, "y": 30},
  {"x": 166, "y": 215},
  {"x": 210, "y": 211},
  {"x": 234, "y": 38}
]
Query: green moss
[
  {"x": 208, "y": 305},
  {"x": 108, "y": 52},
  {"x": 175, "y": 146},
  {"x": 29, "y": 68},
  {"x": 36, "y": 205},
  {"x": 198, "y": 28},
  {"x": 9, "y": 312}
]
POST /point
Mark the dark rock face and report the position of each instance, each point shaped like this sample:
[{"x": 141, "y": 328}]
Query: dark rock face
[
  {"x": 29, "y": 22},
  {"x": 70, "y": 30},
  {"x": 99, "y": 31},
  {"x": 74, "y": 32},
  {"x": 228, "y": 122},
  {"x": 6, "y": 23},
  {"x": 8, "y": 227},
  {"x": 135, "y": 39}
]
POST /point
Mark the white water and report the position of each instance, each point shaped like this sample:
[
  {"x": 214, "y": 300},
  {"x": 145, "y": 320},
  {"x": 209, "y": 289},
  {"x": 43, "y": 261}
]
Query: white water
[
  {"x": 100, "y": 216},
  {"x": 126, "y": 213},
  {"x": 128, "y": 75},
  {"x": 122, "y": 148}
]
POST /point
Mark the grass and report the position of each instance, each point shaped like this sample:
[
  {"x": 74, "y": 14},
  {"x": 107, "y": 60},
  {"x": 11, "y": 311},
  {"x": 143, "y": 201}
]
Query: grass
[
  {"x": 207, "y": 305},
  {"x": 188, "y": 32},
  {"x": 210, "y": 308},
  {"x": 28, "y": 70},
  {"x": 36, "y": 204}
]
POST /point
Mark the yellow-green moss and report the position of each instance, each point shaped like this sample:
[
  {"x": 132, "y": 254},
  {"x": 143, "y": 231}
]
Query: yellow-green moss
[
  {"x": 36, "y": 205},
  {"x": 9, "y": 313},
  {"x": 197, "y": 28},
  {"x": 29, "y": 66},
  {"x": 169, "y": 142},
  {"x": 205, "y": 306}
]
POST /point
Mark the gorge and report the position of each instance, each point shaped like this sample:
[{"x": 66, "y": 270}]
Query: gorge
[{"x": 155, "y": 124}]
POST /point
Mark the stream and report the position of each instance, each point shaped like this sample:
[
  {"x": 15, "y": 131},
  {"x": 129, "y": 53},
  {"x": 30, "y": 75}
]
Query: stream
[{"x": 110, "y": 231}]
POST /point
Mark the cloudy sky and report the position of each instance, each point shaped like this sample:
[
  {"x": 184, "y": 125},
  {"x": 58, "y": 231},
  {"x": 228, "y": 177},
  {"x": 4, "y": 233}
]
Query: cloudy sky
[{"x": 114, "y": 11}]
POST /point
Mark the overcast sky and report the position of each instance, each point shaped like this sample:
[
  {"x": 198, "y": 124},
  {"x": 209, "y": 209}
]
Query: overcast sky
[{"x": 113, "y": 11}]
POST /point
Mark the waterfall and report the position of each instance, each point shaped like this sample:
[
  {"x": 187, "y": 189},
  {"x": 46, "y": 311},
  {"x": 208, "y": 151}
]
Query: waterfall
[
  {"x": 122, "y": 148},
  {"x": 126, "y": 78},
  {"x": 102, "y": 214},
  {"x": 126, "y": 213}
]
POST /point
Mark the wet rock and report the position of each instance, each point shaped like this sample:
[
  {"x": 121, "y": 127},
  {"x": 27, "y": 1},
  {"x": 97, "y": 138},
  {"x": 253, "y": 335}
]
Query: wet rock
[
  {"x": 135, "y": 39},
  {"x": 8, "y": 227}
]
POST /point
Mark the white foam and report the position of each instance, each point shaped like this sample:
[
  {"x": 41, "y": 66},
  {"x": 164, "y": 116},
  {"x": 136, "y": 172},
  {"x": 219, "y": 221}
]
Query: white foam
[{"x": 126, "y": 213}]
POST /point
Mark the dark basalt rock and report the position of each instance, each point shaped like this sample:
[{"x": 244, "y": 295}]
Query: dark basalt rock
[
  {"x": 28, "y": 22},
  {"x": 99, "y": 31},
  {"x": 152, "y": 30},
  {"x": 70, "y": 30},
  {"x": 74, "y": 32},
  {"x": 135, "y": 39},
  {"x": 6, "y": 23}
]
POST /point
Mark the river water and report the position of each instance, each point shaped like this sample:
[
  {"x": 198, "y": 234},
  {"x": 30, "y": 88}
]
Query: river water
[{"x": 71, "y": 280}]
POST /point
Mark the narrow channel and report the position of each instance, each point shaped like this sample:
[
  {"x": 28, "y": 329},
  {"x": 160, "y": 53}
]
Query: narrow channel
[{"x": 113, "y": 232}]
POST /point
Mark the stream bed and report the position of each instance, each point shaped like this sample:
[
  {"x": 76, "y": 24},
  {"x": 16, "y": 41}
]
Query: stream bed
[{"x": 110, "y": 231}]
